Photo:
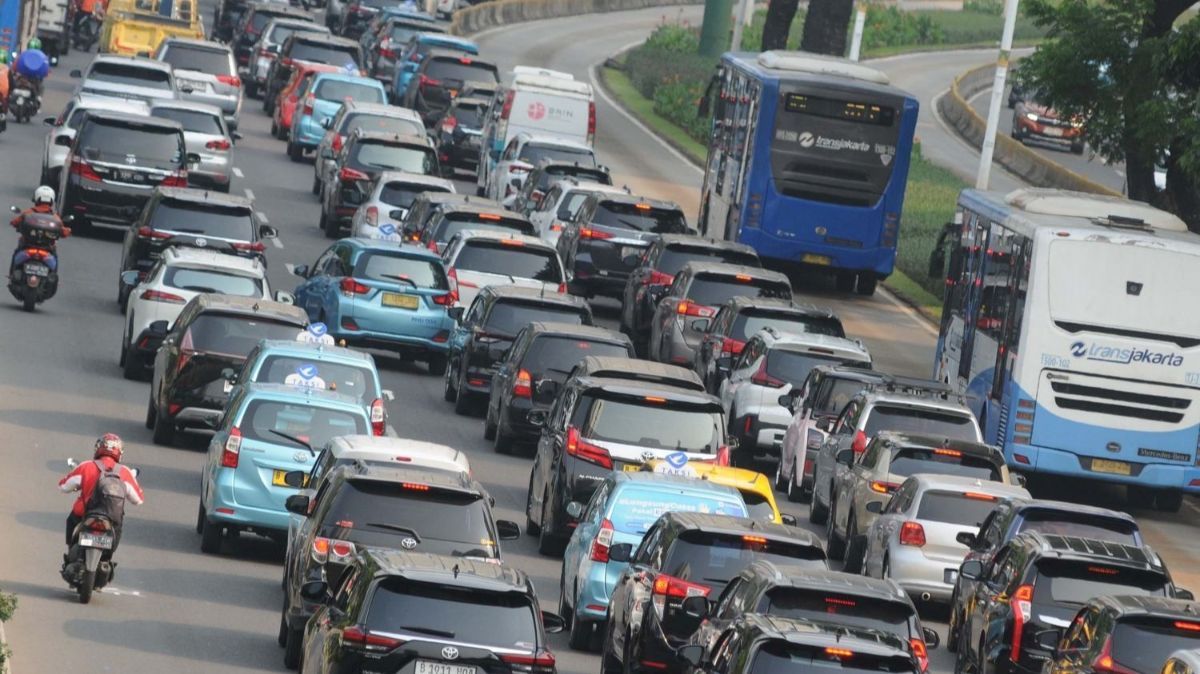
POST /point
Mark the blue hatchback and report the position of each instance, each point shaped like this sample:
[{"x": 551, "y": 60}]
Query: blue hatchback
[
  {"x": 621, "y": 511},
  {"x": 381, "y": 294},
  {"x": 266, "y": 432},
  {"x": 324, "y": 98},
  {"x": 417, "y": 49}
]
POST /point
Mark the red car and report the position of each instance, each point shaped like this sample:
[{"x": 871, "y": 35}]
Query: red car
[
  {"x": 291, "y": 94},
  {"x": 1034, "y": 120}
]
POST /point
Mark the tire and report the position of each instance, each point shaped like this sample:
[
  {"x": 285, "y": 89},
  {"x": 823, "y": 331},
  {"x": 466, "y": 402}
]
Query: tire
[
  {"x": 251, "y": 89},
  {"x": 200, "y": 527},
  {"x": 564, "y": 611},
  {"x": 1168, "y": 501},
  {"x": 548, "y": 543},
  {"x": 329, "y": 225},
  {"x": 855, "y": 547},
  {"x": 449, "y": 393},
  {"x": 281, "y": 639},
  {"x": 436, "y": 363},
  {"x": 580, "y": 638},
  {"x": 608, "y": 664},
  {"x": 210, "y": 535},
  {"x": 794, "y": 492},
  {"x": 779, "y": 483},
  {"x": 835, "y": 545},
  {"x": 164, "y": 430},
  {"x": 131, "y": 365},
  {"x": 463, "y": 405},
  {"x": 531, "y": 527},
  {"x": 817, "y": 514},
  {"x": 274, "y": 129},
  {"x": 503, "y": 444},
  {"x": 86, "y": 584},
  {"x": 489, "y": 426},
  {"x": 316, "y": 184},
  {"x": 151, "y": 413},
  {"x": 292, "y": 648},
  {"x": 866, "y": 285},
  {"x": 952, "y": 628},
  {"x": 295, "y": 152},
  {"x": 29, "y": 303}
]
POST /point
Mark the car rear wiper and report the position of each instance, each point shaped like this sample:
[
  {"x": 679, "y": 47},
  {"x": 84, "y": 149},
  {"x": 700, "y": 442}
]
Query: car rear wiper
[
  {"x": 396, "y": 527},
  {"x": 397, "y": 277},
  {"x": 200, "y": 289},
  {"x": 294, "y": 439},
  {"x": 631, "y": 225},
  {"x": 428, "y": 630}
]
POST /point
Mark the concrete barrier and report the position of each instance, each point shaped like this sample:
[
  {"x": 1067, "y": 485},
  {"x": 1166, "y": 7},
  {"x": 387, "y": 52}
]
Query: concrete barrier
[
  {"x": 1030, "y": 166},
  {"x": 493, "y": 13}
]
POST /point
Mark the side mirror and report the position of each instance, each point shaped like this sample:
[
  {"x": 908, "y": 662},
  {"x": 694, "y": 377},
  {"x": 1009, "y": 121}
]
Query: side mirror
[
  {"x": 700, "y": 324},
  {"x": 621, "y": 552},
  {"x": 845, "y": 457},
  {"x": 696, "y": 606},
  {"x": 691, "y": 654},
  {"x": 966, "y": 538},
  {"x": 1018, "y": 479},
  {"x": 297, "y": 504},
  {"x": 788, "y": 519},
  {"x": 508, "y": 530},
  {"x": 1048, "y": 639},
  {"x": 193, "y": 158},
  {"x": 932, "y": 640},
  {"x": 1181, "y": 593},
  {"x": 236, "y": 136},
  {"x": 212, "y": 423},
  {"x": 456, "y": 313},
  {"x": 325, "y": 123},
  {"x": 787, "y": 399},
  {"x": 77, "y": 73},
  {"x": 129, "y": 278},
  {"x": 875, "y": 507},
  {"x": 49, "y": 121},
  {"x": 971, "y": 569},
  {"x": 537, "y": 419},
  {"x": 63, "y": 139},
  {"x": 267, "y": 232},
  {"x": 284, "y": 297},
  {"x": 300, "y": 270},
  {"x": 295, "y": 479},
  {"x": 316, "y": 591},
  {"x": 553, "y": 623},
  {"x": 575, "y": 509}
]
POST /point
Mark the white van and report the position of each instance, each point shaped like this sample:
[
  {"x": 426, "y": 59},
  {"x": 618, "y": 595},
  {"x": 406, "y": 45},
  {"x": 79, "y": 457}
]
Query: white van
[{"x": 540, "y": 102}]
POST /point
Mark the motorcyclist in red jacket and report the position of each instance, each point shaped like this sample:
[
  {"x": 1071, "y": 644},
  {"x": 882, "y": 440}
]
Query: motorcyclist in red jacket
[{"x": 107, "y": 457}]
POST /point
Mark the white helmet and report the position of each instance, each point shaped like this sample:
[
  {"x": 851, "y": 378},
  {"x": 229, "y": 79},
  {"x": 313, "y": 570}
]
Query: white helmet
[{"x": 43, "y": 195}]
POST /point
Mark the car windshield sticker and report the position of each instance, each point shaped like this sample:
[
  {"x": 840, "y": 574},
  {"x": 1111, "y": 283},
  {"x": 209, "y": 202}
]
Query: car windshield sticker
[
  {"x": 315, "y": 333},
  {"x": 676, "y": 463},
  {"x": 305, "y": 376},
  {"x": 388, "y": 232}
]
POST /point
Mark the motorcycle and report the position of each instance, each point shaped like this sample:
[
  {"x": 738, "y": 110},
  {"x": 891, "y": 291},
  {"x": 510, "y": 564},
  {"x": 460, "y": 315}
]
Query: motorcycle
[
  {"x": 86, "y": 568},
  {"x": 23, "y": 104},
  {"x": 33, "y": 275}
]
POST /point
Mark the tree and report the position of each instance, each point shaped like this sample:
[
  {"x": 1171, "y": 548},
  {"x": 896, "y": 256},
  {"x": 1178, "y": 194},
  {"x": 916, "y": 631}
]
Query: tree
[
  {"x": 1123, "y": 69},
  {"x": 780, "y": 14},
  {"x": 825, "y": 27}
]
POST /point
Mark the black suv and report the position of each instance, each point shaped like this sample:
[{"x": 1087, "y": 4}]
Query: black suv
[
  {"x": 410, "y": 611},
  {"x": 457, "y": 135},
  {"x": 546, "y": 173},
  {"x": 439, "y": 79},
  {"x": 487, "y": 330},
  {"x": 115, "y": 163},
  {"x": 609, "y": 236},
  {"x": 383, "y": 40},
  {"x": 758, "y": 644},
  {"x": 599, "y": 425},
  {"x": 365, "y": 505},
  {"x": 1037, "y": 581},
  {"x": 209, "y": 342},
  {"x": 427, "y": 205},
  {"x": 1125, "y": 635},
  {"x": 361, "y": 159},
  {"x": 541, "y": 357},
  {"x": 685, "y": 555},
  {"x": 1012, "y": 515},
  {"x": 308, "y": 48},
  {"x": 477, "y": 214},
  {"x": 635, "y": 369},
  {"x": 253, "y": 20},
  {"x": 190, "y": 217},
  {"x": 809, "y": 594},
  {"x": 657, "y": 269}
]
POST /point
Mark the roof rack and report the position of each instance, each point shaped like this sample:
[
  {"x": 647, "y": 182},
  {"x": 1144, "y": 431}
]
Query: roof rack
[{"x": 915, "y": 386}]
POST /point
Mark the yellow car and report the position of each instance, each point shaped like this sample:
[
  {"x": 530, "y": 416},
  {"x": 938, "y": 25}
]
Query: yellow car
[
  {"x": 136, "y": 27},
  {"x": 755, "y": 488}
]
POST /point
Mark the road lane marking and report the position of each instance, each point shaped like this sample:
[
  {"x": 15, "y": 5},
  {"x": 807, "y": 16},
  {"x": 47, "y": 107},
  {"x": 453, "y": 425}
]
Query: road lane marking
[
  {"x": 249, "y": 194},
  {"x": 291, "y": 268},
  {"x": 238, "y": 172},
  {"x": 919, "y": 318},
  {"x": 263, "y": 216},
  {"x": 276, "y": 242}
]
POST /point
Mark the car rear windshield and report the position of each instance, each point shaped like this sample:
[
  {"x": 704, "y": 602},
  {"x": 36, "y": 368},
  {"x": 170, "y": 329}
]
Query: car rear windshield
[
  {"x": 195, "y": 121},
  {"x": 504, "y": 619},
  {"x": 137, "y": 146},
  {"x": 507, "y": 318},
  {"x": 943, "y": 461},
  {"x": 342, "y": 90},
  {"x": 210, "y": 61},
  {"x": 401, "y": 194},
  {"x": 340, "y": 56},
  {"x": 469, "y": 115},
  {"x": 649, "y": 423},
  {"x": 712, "y": 559},
  {"x": 454, "y": 223},
  {"x": 382, "y": 124},
  {"x": 207, "y": 281},
  {"x": 749, "y": 322},
  {"x": 459, "y": 70},
  {"x": 1066, "y": 523},
  {"x": 716, "y": 289},
  {"x": 402, "y": 32},
  {"x": 781, "y": 657},
  {"x": 840, "y": 394},
  {"x": 560, "y": 354},
  {"x": 304, "y": 421},
  {"x": 843, "y": 609},
  {"x": 224, "y": 222},
  {"x": 793, "y": 366},
  {"x": 1144, "y": 644},
  {"x": 430, "y": 513},
  {"x": 634, "y": 509},
  {"x": 283, "y": 31},
  {"x": 569, "y": 205},
  {"x": 232, "y": 334},
  {"x": 398, "y": 268},
  {"x": 510, "y": 258},
  {"x": 130, "y": 75},
  {"x": 260, "y": 18},
  {"x": 924, "y": 421},
  {"x": 352, "y": 380},
  {"x": 1075, "y": 582},
  {"x": 535, "y": 153},
  {"x": 967, "y": 509},
  {"x": 387, "y": 157},
  {"x": 640, "y": 217},
  {"x": 672, "y": 258}
]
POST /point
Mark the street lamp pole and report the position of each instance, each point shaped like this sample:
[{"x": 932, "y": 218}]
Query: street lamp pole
[{"x": 983, "y": 177}]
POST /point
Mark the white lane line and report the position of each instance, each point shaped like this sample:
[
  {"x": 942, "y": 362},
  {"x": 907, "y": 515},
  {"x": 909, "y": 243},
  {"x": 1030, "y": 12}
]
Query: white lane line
[
  {"x": 263, "y": 216},
  {"x": 277, "y": 242},
  {"x": 291, "y": 268},
  {"x": 918, "y": 317},
  {"x": 238, "y": 172},
  {"x": 249, "y": 194}
]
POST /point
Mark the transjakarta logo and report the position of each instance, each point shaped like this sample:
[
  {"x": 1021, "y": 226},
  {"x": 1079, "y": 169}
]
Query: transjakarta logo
[{"x": 1125, "y": 356}]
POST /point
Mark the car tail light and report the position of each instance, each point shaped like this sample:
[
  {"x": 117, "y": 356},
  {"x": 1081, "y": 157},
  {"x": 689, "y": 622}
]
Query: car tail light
[
  {"x": 880, "y": 487},
  {"x": 508, "y": 103},
  {"x": 250, "y": 247},
  {"x": 1104, "y": 661},
  {"x": 919, "y": 650},
  {"x": 287, "y": 61},
  {"x": 591, "y": 132},
  {"x": 348, "y": 174},
  {"x": 176, "y": 179},
  {"x": 331, "y": 550},
  {"x": 604, "y": 539},
  {"x": 84, "y": 170},
  {"x": 372, "y": 216},
  {"x": 669, "y": 589},
  {"x": 231, "y": 80},
  {"x": 308, "y": 104},
  {"x": 427, "y": 81},
  {"x": 523, "y": 384},
  {"x": 764, "y": 378},
  {"x": 350, "y": 287},
  {"x": 732, "y": 346},
  {"x": 658, "y": 278},
  {"x": 586, "y": 451},
  {"x": 859, "y": 445},
  {"x": 185, "y": 355},
  {"x": 370, "y": 641},
  {"x": 449, "y": 124},
  {"x": 218, "y": 144},
  {"x": 1022, "y": 604},
  {"x": 338, "y": 139},
  {"x": 452, "y": 277},
  {"x": 378, "y": 417},
  {"x": 723, "y": 458},
  {"x": 690, "y": 308},
  {"x": 148, "y": 233},
  {"x": 541, "y": 662},
  {"x": 912, "y": 533},
  {"x": 160, "y": 296},
  {"x": 562, "y": 288},
  {"x": 520, "y": 169},
  {"x": 445, "y": 299},
  {"x": 232, "y": 448},
  {"x": 589, "y": 233},
  {"x": 432, "y": 245}
]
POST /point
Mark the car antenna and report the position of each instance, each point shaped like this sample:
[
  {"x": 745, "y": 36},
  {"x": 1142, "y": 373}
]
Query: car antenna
[{"x": 455, "y": 570}]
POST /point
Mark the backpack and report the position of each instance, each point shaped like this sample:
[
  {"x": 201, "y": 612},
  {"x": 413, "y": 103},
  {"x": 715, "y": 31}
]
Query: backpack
[{"x": 108, "y": 496}]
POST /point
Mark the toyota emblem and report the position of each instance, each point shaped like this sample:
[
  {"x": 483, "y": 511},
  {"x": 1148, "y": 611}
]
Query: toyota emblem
[
  {"x": 408, "y": 543},
  {"x": 449, "y": 652},
  {"x": 300, "y": 457},
  {"x": 201, "y": 242}
]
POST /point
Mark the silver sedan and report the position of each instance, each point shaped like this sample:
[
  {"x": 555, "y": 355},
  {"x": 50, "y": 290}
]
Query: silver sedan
[{"x": 914, "y": 541}]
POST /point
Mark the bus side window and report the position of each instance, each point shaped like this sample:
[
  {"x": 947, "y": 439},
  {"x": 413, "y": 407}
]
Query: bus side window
[
  {"x": 974, "y": 240},
  {"x": 1018, "y": 282}
]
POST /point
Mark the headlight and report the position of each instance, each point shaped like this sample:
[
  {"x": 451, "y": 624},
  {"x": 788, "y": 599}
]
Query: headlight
[
  {"x": 1031, "y": 116},
  {"x": 1076, "y": 123}
]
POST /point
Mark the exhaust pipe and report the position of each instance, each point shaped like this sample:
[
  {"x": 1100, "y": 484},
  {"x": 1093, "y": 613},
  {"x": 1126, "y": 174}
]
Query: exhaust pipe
[{"x": 925, "y": 596}]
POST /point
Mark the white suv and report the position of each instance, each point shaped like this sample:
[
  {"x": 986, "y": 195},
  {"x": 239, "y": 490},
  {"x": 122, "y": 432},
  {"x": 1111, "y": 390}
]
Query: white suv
[
  {"x": 771, "y": 363},
  {"x": 178, "y": 276},
  {"x": 562, "y": 202},
  {"x": 523, "y": 153},
  {"x": 476, "y": 259}
]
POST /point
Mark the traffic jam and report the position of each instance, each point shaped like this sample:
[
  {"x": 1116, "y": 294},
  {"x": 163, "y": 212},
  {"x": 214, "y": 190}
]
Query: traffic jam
[{"x": 721, "y": 475}]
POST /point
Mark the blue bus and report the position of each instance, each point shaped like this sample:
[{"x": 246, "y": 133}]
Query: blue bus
[{"x": 808, "y": 162}]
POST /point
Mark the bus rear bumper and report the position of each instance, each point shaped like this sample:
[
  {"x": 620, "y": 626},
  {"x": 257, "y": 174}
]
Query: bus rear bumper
[
  {"x": 1044, "y": 460},
  {"x": 877, "y": 259}
]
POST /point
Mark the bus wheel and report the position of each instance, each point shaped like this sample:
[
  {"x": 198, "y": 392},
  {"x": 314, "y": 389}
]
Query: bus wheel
[
  {"x": 1168, "y": 501},
  {"x": 866, "y": 284},
  {"x": 1139, "y": 496},
  {"x": 844, "y": 281}
]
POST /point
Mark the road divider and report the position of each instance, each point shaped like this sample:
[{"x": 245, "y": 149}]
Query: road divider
[
  {"x": 1026, "y": 164},
  {"x": 474, "y": 19}
]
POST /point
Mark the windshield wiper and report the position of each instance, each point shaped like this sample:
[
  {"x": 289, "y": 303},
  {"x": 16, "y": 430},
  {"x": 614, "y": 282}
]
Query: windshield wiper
[
  {"x": 631, "y": 225},
  {"x": 428, "y": 630},
  {"x": 200, "y": 289},
  {"x": 294, "y": 439},
  {"x": 396, "y": 527},
  {"x": 397, "y": 277}
]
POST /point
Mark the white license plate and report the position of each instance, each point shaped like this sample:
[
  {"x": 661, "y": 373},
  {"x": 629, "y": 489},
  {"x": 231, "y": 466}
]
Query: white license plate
[
  {"x": 198, "y": 86},
  {"x": 37, "y": 270},
  {"x": 227, "y": 386},
  {"x": 1054, "y": 131},
  {"x": 435, "y": 667},
  {"x": 22, "y": 92},
  {"x": 104, "y": 541}
]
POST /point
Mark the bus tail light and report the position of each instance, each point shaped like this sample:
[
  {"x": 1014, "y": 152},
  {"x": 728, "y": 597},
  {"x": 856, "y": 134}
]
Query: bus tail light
[{"x": 1023, "y": 426}]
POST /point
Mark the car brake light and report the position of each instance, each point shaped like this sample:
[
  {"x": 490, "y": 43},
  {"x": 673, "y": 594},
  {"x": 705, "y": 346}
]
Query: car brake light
[
  {"x": 427, "y": 81},
  {"x": 919, "y": 650},
  {"x": 218, "y": 144},
  {"x": 176, "y": 179},
  {"x": 591, "y": 132},
  {"x": 1022, "y": 604},
  {"x": 84, "y": 170},
  {"x": 604, "y": 539},
  {"x": 589, "y": 233},
  {"x": 357, "y": 636},
  {"x": 523, "y": 384},
  {"x": 338, "y": 139},
  {"x": 350, "y": 287},
  {"x": 331, "y": 550},
  {"x": 859, "y": 445},
  {"x": 452, "y": 277},
  {"x": 348, "y": 174},
  {"x": 233, "y": 447},
  {"x": 541, "y": 662},
  {"x": 160, "y": 296},
  {"x": 978, "y": 497},
  {"x": 308, "y": 104},
  {"x": 449, "y": 124},
  {"x": 723, "y": 458},
  {"x": 912, "y": 533},
  {"x": 658, "y": 278},
  {"x": 674, "y": 590},
  {"x": 378, "y": 417},
  {"x": 948, "y": 452},
  {"x": 690, "y": 308},
  {"x": 372, "y": 216},
  {"x": 148, "y": 233},
  {"x": 250, "y": 247},
  {"x": 764, "y": 378},
  {"x": 231, "y": 80},
  {"x": 562, "y": 288},
  {"x": 432, "y": 245},
  {"x": 883, "y": 487},
  {"x": 732, "y": 346},
  {"x": 586, "y": 451}
]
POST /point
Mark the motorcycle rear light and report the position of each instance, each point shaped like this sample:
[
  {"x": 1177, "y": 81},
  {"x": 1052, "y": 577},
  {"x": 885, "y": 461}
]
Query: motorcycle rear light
[
  {"x": 160, "y": 296},
  {"x": 764, "y": 378},
  {"x": 218, "y": 144},
  {"x": 523, "y": 385},
  {"x": 912, "y": 533},
  {"x": 350, "y": 287},
  {"x": 377, "y": 643},
  {"x": 148, "y": 233},
  {"x": 231, "y": 80},
  {"x": 348, "y": 174},
  {"x": 586, "y": 451},
  {"x": 589, "y": 233},
  {"x": 603, "y": 540},
  {"x": 232, "y": 449},
  {"x": 98, "y": 526},
  {"x": 690, "y": 308},
  {"x": 378, "y": 417},
  {"x": 84, "y": 170}
]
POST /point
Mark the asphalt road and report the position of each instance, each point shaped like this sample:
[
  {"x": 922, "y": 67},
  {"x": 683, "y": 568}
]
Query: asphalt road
[{"x": 172, "y": 608}]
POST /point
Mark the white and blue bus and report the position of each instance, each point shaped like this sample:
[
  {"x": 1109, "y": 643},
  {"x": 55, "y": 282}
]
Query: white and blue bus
[
  {"x": 808, "y": 162},
  {"x": 1070, "y": 323}
]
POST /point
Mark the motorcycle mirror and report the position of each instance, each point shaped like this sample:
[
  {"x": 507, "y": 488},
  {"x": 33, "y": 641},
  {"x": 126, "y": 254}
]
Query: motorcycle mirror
[
  {"x": 135, "y": 471},
  {"x": 71, "y": 463},
  {"x": 14, "y": 209}
]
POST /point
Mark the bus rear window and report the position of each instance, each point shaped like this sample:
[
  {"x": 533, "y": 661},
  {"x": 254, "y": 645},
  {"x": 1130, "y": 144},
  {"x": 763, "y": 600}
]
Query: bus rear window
[{"x": 910, "y": 460}]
